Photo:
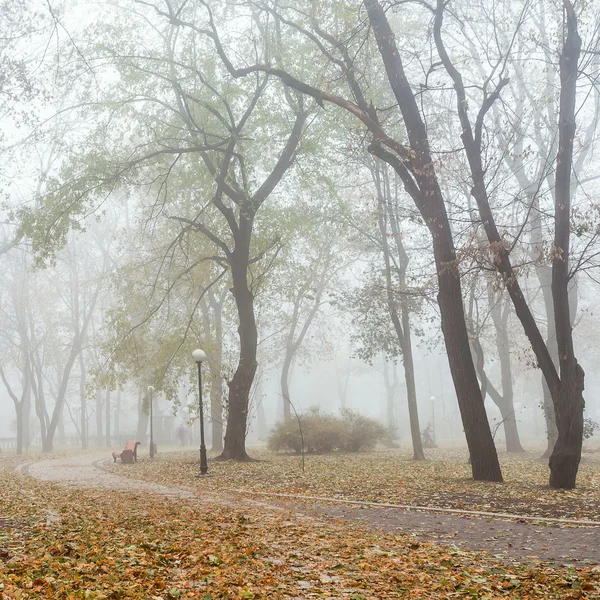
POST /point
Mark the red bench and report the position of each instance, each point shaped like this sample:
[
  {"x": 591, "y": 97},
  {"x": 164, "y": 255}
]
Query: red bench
[{"x": 129, "y": 455}]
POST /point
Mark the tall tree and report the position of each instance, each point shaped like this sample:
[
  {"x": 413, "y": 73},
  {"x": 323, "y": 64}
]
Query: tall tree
[
  {"x": 415, "y": 165},
  {"x": 566, "y": 386}
]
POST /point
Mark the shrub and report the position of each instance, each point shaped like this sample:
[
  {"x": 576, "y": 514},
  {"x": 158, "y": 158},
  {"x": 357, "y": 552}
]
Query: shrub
[
  {"x": 322, "y": 432},
  {"x": 285, "y": 437},
  {"x": 325, "y": 433},
  {"x": 361, "y": 433}
]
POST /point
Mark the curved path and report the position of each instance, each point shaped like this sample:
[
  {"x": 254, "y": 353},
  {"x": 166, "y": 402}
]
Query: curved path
[
  {"x": 507, "y": 539},
  {"x": 85, "y": 471}
]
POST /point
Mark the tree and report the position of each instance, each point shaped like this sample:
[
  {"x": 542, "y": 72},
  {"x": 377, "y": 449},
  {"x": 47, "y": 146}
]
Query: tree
[
  {"x": 566, "y": 386},
  {"x": 194, "y": 124},
  {"x": 16, "y": 350},
  {"x": 415, "y": 165},
  {"x": 499, "y": 310},
  {"x": 535, "y": 124},
  {"x": 311, "y": 258}
]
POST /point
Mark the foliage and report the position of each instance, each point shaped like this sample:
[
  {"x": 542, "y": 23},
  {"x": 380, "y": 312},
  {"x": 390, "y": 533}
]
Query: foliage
[
  {"x": 589, "y": 426},
  {"x": 372, "y": 329},
  {"x": 325, "y": 433},
  {"x": 123, "y": 544},
  {"x": 392, "y": 476}
]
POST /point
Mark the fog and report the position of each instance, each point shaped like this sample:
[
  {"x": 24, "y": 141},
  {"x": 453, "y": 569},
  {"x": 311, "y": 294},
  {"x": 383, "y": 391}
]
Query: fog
[{"x": 394, "y": 216}]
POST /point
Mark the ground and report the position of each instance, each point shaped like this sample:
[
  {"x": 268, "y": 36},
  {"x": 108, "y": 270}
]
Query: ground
[{"x": 71, "y": 529}]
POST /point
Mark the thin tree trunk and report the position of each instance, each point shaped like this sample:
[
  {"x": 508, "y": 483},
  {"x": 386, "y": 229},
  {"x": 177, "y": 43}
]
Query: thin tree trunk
[
  {"x": 216, "y": 387},
  {"x": 399, "y": 309},
  {"x": 99, "y": 434},
  {"x": 261, "y": 418},
  {"x": 285, "y": 387},
  {"x": 83, "y": 402},
  {"x": 62, "y": 439},
  {"x": 26, "y": 416},
  {"x": 506, "y": 406},
  {"x": 19, "y": 412},
  {"x": 118, "y": 413},
  {"x": 107, "y": 419},
  {"x": 141, "y": 434},
  {"x": 216, "y": 407},
  {"x": 391, "y": 386},
  {"x": 342, "y": 385}
]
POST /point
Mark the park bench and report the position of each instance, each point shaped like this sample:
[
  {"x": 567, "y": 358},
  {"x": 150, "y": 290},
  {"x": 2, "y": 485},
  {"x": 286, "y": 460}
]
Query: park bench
[{"x": 129, "y": 455}]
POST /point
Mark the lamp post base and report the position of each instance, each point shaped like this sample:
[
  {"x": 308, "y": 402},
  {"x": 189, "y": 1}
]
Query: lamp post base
[{"x": 203, "y": 460}]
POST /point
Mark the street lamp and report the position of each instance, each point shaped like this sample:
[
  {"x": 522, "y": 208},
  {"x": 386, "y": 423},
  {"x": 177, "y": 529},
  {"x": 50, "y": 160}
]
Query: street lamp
[
  {"x": 151, "y": 394},
  {"x": 199, "y": 356},
  {"x": 432, "y": 399}
]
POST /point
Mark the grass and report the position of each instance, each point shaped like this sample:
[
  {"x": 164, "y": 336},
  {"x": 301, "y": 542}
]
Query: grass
[{"x": 390, "y": 476}]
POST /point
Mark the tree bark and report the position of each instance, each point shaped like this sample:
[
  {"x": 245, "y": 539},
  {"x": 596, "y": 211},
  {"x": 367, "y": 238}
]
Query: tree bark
[
  {"x": 118, "y": 413},
  {"x": 425, "y": 190},
  {"x": 391, "y": 386},
  {"x": 107, "y": 418},
  {"x": 99, "y": 435},
  {"x": 216, "y": 373},
  {"x": 285, "y": 387},
  {"x": 399, "y": 309},
  {"x": 83, "y": 402},
  {"x": 568, "y": 400},
  {"x": 566, "y": 389},
  {"x": 507, "y": 409},
  {"x": 141, "y": 434},
  {"x": 241, "y": 382}
]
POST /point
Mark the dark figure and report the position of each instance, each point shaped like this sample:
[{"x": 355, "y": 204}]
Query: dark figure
[{"x": 427, "y": 436}]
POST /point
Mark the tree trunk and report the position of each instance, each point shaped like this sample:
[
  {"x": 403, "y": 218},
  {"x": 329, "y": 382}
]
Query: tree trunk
[
  {"x": 214, "y": 304},
  {"x": 83, "y": 402},
  {"x": 399, "y": 309},
  {"x": 118, "y": 413},
  {"x": 26, "y": 416},
  {"x": 391, "y": 386},
  {"x": 544, "y": 275},
  {"x": 19, "y": 412},
  {"x": 62, "y": 439},
  {"x": 99, "y": 434},
  {"x": 241, "y": 382},
  {"x": 141, "y": 434},
  {"x": 425, "y": 190},
  {"x": 285, "y": 388},
  {"x": 568, "y": 396},
  {"x": 507, "y": 409},
  {"x": 511, "y": 433},
  {"x": 411, "y": 396},
  {"x": 107, "y": 420},
  {"x": 342, "y": 385},
  {"x": 216, "y": 408}
]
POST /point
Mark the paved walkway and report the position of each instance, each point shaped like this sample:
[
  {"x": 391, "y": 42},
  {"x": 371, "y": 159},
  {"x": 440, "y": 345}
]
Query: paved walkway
[
  {"x": 508, "y": 539},
  {"x": 85, "y": 472}
]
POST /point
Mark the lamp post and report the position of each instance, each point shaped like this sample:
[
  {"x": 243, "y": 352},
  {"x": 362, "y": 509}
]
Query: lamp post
[
  {"x": 199, "y": 356},
  {"x": 151, "y": 394},
  {"x": 432, "y": 399}
]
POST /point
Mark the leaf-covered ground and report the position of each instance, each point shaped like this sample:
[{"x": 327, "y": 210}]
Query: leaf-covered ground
[
  {"x": 390, "y": 476},
  {"x": 111, "y": 544}
]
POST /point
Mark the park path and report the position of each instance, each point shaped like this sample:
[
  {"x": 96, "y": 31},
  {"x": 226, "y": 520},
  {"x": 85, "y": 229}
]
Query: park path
[{"x": 507, "y": 539}]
